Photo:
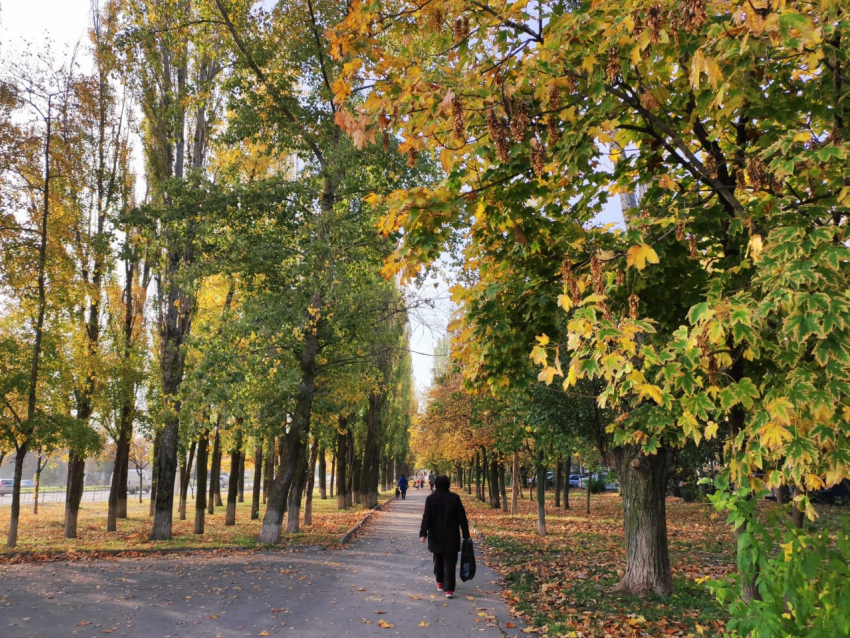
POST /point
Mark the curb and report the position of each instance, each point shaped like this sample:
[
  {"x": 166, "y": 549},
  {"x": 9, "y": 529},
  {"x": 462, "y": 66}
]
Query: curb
[{"x": 347, "y": 536}]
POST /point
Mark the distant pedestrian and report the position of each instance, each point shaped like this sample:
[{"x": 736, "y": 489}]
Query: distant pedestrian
[
  {"x": 402, "y": 486},
  {"x": 442, "y": 522},
  {"x": 431, "y": 479}
]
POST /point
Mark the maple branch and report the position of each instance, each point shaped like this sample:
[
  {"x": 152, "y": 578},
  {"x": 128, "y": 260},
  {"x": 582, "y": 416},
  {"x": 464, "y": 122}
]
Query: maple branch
[
  {"x": 252, "y": 64},
  {"x": 516, "y": 26},
  {"x": 321, "y": 54}
]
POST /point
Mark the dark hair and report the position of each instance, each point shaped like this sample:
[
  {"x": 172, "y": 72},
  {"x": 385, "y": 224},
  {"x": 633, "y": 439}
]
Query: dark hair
[{"x": 442, "y": 482}]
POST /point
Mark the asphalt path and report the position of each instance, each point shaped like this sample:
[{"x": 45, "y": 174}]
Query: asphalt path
[{"x": 380, "y": 584}]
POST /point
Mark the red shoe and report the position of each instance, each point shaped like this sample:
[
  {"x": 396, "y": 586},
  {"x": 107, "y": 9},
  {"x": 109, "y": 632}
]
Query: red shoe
[
  {"x": 439, "y": 586},
  {"x": 450, "y": 594}
]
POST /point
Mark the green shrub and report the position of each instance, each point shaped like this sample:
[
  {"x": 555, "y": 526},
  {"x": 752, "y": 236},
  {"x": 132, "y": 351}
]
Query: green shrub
[{"x": 803, "y": 580}]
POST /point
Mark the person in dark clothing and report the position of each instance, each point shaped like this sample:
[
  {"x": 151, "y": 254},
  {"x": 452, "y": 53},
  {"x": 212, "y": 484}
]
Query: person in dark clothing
[
  {"x": 443, "y": 517},
  {"x": 431, "y": 480},
  {"x": 402, "y": 486}
]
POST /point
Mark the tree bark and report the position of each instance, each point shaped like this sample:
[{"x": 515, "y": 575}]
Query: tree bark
[
  {"x": 241, "y": 486},
  {"x": 341, "y": 453},
  {"x": 120, "y": 467},
  {"x": 14, "y": 517},
  {"x": 296, "y": 439},
  {"x": 567, "y": 470},
  {"x": 643, "y": 484},
  {"x": 479, "y": 490},
  {"x": 258, "y": 480},
  {"x": 155, "y": 472},
  {"x": 185, "y": 477},
  {"x": 494, "y": 482},
  {"x": 371, "y": 454},
  {"x": 296, "y": 493},
  {"x": 514, "y": 483},
  {"x": 215, "y": 472},
  {"x": 74, "y": 492},
  {"x": 323, "y": 470},
  {"x": 559, "y": 477},
  {"x": 541, "y": 494},
  {"x": 201, "y": 482},
  {"x": 233, "y": 483},
  {"x": 311, "y": 477},
  {"x": 502, "y": 488}
]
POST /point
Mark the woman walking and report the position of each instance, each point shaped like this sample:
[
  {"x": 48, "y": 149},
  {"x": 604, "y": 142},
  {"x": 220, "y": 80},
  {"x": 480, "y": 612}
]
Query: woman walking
[{"x": 443, "y": 520}]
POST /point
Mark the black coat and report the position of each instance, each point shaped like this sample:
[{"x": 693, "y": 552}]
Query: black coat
[{"x": 443, "y": 516}]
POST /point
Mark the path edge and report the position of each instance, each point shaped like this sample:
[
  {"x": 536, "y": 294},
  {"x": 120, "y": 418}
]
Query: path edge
[{"x": 350, "y": 533}]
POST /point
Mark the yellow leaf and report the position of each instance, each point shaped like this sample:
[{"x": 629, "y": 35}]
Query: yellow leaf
[
  {"x": 424, "y": 624},
  {"x": 264, "y": 633},
  {"x": 447, "y": 159},
  {"x": 589, "y": 63},
  {"x": 547, "y": 374},
  {"x": 754, "y": 247},
  {"x": 802, "y": 136},
  {"x": 651, "y": 391},
  {"x": 543, "y": 339},
  {"x": 710, "y": 430},
  {"x": 638, "y": 256},
  {"x": 383, "y": 623},
  {"x": 538, "y": 355},
  {"x": 565, "y": 301}
]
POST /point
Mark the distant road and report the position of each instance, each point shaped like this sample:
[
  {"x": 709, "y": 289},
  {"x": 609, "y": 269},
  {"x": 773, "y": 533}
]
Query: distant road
[{"x": 57, "y": 495}]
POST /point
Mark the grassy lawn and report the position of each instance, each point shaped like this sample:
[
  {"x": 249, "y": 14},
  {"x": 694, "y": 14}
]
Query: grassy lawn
[
  {"x": 562, "y": 583},
  {"x": 43, "y": 532}
]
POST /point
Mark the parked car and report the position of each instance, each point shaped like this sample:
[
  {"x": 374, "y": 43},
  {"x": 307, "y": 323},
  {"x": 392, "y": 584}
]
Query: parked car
[
  {"x": 25, "y": 483},
  {"x": 223, "y": 479},
  {"x": 550, "y": 480},
  {"x": 6, "y": 486},
  {"x": 577, "y": 480}
]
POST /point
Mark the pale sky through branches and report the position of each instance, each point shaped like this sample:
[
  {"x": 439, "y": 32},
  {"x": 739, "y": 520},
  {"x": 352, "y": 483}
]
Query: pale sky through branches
[{"x": 29, "y": 22}]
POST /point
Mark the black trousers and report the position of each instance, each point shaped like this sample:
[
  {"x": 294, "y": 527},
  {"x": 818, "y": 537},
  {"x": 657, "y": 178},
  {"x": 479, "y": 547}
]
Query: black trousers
[{"x": 444, "y": 570}]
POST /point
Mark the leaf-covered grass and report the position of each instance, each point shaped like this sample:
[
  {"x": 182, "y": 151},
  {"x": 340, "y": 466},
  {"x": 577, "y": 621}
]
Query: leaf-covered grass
[
  {"x": 563, "y": 583},
  {"x": 42, "y": 533}
]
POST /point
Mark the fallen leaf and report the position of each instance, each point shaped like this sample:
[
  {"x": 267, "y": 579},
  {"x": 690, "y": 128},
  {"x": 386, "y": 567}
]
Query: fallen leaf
[
  {"x": 424, "y": 624},
  {"x": 383, "y": 623}
]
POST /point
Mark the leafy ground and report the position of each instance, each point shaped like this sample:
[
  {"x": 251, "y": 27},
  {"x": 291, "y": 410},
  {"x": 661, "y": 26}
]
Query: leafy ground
[
  {"x": 41, "y": 535},
  {"x": 562, "y": 583}
]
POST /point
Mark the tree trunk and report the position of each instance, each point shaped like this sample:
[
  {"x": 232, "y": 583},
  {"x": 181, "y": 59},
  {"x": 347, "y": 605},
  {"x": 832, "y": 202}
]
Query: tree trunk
[
  {"x": 502, "y": 489},
  {"x": 514, "y": 483},
  {"x": 241, "y": 486},
  {"x": 201, "y": 482},
  {"x": 155, "y": 472},
  {"x": 351, "y": 468},
  {"x": 267, "y": 481},
  {"x": 296, "y": 494},
  {"x": 371, "y": 453},
  {"x": 796, "y": 513},
  {"x": 185, "y": 478},
  {"x": 567, "y": 470},
  {"x": 258, "y": 480},
  {"x": 479, "y": 491},
  {"x": 15, "y": 514},
  {"x": 74, "y": 492},
  {"x": 311, "y": 477},
  {"x": 541, "y": 494},
  {"x": 341, "y": 454},
  {"x": 354, "y": 479},
  {"x": 39, "y": 466},
  {"x": 296, "y": 438},
  {"x": 233, "y": 484},
  {"x": 494, "y": 482},
  {"x": 333, "y": 476},
  {"x": 559, "y": 476},
  {"x": 643, "y": 484},
  {"x": 587, "y": 494},
  {"x": 120, "y": 467},
  {"x": 323, "y": 470},
  {"x": 215, "y": 472}
]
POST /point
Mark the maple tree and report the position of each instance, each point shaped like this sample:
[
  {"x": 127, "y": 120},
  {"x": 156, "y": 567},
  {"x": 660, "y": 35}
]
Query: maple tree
[{"x": 720, "y": 308}]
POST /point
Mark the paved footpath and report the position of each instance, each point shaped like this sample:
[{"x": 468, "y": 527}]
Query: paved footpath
[{"x": 383, "y": 577}]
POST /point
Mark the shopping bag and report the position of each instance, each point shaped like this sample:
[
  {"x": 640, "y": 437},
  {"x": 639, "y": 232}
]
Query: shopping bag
[{"x": 467, "y": 560}]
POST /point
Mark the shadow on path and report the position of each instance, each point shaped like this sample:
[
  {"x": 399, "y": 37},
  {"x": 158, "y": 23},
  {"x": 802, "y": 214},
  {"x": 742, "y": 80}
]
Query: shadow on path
[{"x": 383, "y": 577}]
